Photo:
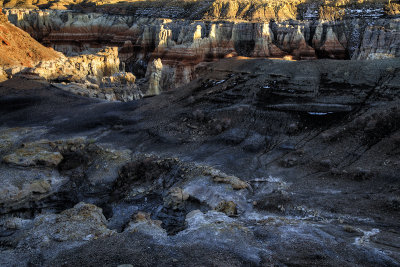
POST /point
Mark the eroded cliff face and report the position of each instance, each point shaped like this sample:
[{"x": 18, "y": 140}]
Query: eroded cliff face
[
  {"x": 73, "y": 32},
  {"x": 337, "y": 30},
  {"x": 91, "y": 75},
  {"x": 78, "y": 68}
]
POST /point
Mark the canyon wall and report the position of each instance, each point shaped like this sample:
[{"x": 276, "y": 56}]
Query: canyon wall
[
  {"x": 249, "y": 10},
  {"x": 368, "y": 31}
]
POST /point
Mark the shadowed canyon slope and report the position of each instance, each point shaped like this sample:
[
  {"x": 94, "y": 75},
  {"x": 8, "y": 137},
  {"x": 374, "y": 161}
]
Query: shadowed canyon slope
[{"x": 257, "y": 162}]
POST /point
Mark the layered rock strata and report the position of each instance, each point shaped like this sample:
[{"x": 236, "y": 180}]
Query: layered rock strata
[
  {"x": 91, "y": 75},
  {"x": 118, "y": 87},
  {"x": 72, "y": 32},
  {"x": 183, "y": 44},
  {"x": 254, "y": 10}
]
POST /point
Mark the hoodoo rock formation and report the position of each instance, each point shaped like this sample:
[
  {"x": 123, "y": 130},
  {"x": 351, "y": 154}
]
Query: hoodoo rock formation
[{"x": 183, "y": 39}]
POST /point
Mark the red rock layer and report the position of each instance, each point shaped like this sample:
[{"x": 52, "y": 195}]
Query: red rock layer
[{"x": 18, "y": 48}]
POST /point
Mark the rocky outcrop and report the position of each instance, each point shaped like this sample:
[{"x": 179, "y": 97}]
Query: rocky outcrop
[
  {"x": 380, "y": 42},
  {"x": 139, "y": 37},
  {"x": 99, "y": 65},
  {"x": 22, "y": 55},
  {"x": 18, "y": 187},
  {"x": 91, "y": 75},
  {"x": 33, "y": 155},
  {"x": 83, "y": 222},
  {"x": 109, "y": 92}
]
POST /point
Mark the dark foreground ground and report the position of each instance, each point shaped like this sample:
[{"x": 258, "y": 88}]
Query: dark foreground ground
[{"x": 257, "y": 162}]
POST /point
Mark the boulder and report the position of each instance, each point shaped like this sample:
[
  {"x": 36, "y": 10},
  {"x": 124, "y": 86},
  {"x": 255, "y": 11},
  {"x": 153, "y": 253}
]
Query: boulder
[
  {"x": 83, "y": 222},
  {"x": 221, "y": 177},
  {"x": 175, "y": 198},
  {"x": 34, "y": 155},
  {"x": 227, "y": 207}
]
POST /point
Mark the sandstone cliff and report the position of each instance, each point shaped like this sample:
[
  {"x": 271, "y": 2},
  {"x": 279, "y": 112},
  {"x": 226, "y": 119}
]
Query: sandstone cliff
[
  {"x": 72, "y": 32},
  {"x": 79, "y": 68},
  {"x": 182, "y": 44},
  {"x": 92, "y": 75},
  {"x": 277, "y": 29}
]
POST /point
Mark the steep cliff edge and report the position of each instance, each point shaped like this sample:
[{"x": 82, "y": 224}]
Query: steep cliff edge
[
  {"x": 250, "y": 10},
  {"x": 183, "y": 34}
]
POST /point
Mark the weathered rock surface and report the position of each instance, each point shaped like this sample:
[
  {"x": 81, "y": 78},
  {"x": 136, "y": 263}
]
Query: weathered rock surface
[
  {"x": 256, "y": 162},
  {"x": 83, "y": 222},
  {"x": 176, "y": 198},
  {"x": 91, "y": 75},
  {"x": 227, "y": 207},
  {"x": 144, "y": 224},
  {"x": 155, "y": 72},
  {"x": 99, "y": 65},
  {"x": 20, "y": 188},
  {"x": 34, "y": 154},
  {"x": 221, "y": 177},
  {"x": 118, "y": 87}
]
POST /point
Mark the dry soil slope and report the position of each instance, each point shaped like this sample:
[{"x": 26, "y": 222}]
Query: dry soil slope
[{"x": 18, "y": 48}]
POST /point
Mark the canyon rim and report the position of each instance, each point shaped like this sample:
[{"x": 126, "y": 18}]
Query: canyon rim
[{"x": 200, "y": 133}]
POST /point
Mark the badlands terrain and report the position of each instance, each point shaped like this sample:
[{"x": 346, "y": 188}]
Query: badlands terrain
[{"x": 200, "y": 133}]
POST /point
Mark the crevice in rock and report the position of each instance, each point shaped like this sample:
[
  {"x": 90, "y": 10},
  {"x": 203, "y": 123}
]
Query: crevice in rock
[{"x": 148, "y": 186}]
